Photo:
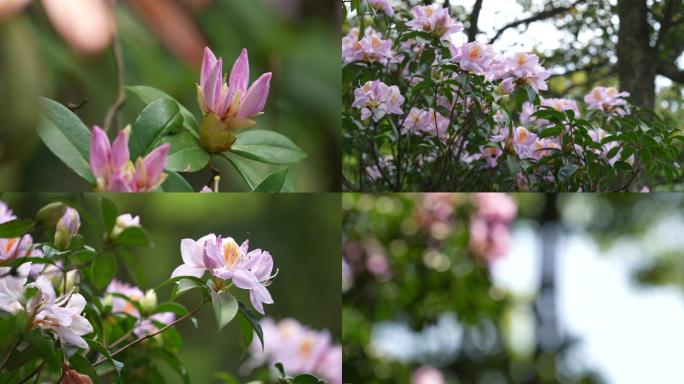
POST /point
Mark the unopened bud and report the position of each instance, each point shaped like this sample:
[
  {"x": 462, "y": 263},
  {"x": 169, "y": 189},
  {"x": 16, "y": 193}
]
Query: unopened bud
[
  {"x": 67, "y": 228},
  {"x": 124, "y": 221},
  {"x": 149, "y": 301}
]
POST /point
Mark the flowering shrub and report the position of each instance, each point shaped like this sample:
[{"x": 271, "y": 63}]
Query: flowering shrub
[
  {"x": 423, "y": 112},
  {"x": 63, "y": 316},
  {"x": 166, "y": 139}
]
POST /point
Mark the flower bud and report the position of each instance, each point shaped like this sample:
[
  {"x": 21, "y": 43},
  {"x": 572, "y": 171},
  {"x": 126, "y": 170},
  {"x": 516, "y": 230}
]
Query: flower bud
[
  {"x": 50, "y": 214},
  {"x": 67, "y": 228},
  {"x": 124, "y": 221},
  {"x": 215, "y": 135},
  {"x": 107, "y": 300},
  {"x": 72, "y": 376},
  {"x": 149, "y": 301}
]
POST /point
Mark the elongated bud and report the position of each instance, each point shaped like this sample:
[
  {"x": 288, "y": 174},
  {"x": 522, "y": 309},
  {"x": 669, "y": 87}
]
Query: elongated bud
[
  {"x": 50, "y": 214},
  {"x": 215, "y": 135},
  {"x": 67, "y": 228},
  {"x": 149, "y": 301}
]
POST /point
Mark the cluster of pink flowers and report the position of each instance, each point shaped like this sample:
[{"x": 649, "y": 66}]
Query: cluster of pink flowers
[
  {"x": 224, "y": 259},
  {"x": 607, "y": 100},
  {"x": 114, "y": 171},
  {"x": 490, "y": 225},
  {"x": 382, "y": 6},
  {"x": 434, "y": 19},
  {"x": 371, "y": 48},
  {"x": 60, "y": 315},
  {"x": 299, "y": 348},
  {"x": 148, "y": 300},
  {"x": 376, "y": 99}
]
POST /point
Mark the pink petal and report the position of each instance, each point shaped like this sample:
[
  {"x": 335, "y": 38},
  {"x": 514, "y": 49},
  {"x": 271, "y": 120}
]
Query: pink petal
[
  {"x": 212, "y": 255},
  {"x": 187, "y": 270},
  {"x": 100, "y": 152},
  {"x": 208, "y": 64},
  {"x": 120, "y": 155},
  {"x": 239, "y": 75},
  {"x": 213, "y": 86},
  {"x": 155, "y": 162},
  {"x": 256, "y": 97},
  {"x": 244, "y": 279}
]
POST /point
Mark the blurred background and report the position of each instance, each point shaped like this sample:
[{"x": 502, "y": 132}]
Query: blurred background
[
  {"x": 300, "y": 231},
  {"x": 61, "y": 50},
  {"x": 584, "y": 288}
]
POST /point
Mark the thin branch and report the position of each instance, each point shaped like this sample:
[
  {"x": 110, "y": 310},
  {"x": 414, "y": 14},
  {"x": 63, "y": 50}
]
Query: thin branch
[
  {"x": 536, "y": 17},
  {"x": 120, "y": 91},
  {"x": 474, "y": 16},
  {"x": 34, "y": 372},
  {"x": 150, "y": 335},
  {"x": 665, "y": 24}
]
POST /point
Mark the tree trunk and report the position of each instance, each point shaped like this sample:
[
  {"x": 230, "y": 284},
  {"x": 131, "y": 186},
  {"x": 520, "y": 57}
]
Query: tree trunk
[
  {"x": 636, "y": 59},
  {"x": 547, "y": 330}
]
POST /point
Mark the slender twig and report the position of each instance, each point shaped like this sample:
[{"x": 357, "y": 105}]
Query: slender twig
[
  {"x": 150, "y": 335},
  {"x": 120, "y": 91}
]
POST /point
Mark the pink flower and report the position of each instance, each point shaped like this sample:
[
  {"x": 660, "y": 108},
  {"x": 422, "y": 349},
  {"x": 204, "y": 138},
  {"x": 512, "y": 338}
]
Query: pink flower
[
  {"x": 14, "y": 248},
  {"x": 489, "y": 226},
  {"x": 299, "y": 348},
  {"x": 115, "y": 172},
  {"x": 119, "y": 304},
  {"x": 473, "y": 57},
  {"x": 226, "y": 260},
  {"x": 59, "y": 315},
  {"x": 607, "y": 100},
  {"x": 371, "y": 48},
  {"x": 232, "y": 102},
  {"x": 526, "y": 68},
  {"x": 427, "y": 375},
  {"x": 491, "y": 155},
  {"x": 428, "y": 121},
  {"x": 433, "y": 19},
  {"x": 382, "y": 5},
  {"x": 376, "y": 99},
  {"x": 124, "y": 222}
]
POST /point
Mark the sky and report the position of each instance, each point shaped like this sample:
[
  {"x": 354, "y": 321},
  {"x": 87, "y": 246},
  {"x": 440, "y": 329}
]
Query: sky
[{"x": 629, "y": 334}]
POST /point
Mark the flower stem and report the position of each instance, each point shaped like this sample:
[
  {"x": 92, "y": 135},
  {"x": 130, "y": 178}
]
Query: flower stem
[
  {"x": 120, "y": 91},
  {"x": 150, "y": 335}
]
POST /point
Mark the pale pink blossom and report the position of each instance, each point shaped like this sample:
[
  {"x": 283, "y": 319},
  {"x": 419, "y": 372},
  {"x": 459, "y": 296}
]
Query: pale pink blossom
[
  {"x": 124, "y": 222},
  {"x": 299, "y": 348},
  {"x": 226, "y": 260},
  {"x": 526, "y": 68},
  {"x": 427, "y": 121},
  {"x": 473, "y": 57},
  {"x": 376, "y": 99},
  {"x": 607, "y": 100},
  {"x": 371, "y": 47},
  {"x": 115, "y": 172},
  {"x": 382, "y": 6},
  {"x": 491, "y": 155},
  {"x": 434, "y": 19}
]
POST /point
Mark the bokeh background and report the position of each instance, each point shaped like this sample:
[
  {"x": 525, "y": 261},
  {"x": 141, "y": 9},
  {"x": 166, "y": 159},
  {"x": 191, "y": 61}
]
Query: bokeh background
[
  {"x": 162, "y": 43},
  {"x": 300, "y": 231},
  {"x": 589, "y": 290}
]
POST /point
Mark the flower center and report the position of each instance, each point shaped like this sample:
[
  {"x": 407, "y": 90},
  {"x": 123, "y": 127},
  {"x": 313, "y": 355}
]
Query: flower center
[{"x": 232, "y": 254}]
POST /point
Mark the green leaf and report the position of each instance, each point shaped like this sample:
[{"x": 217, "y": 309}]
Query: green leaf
[
  {"x": 551, "y": 131},
  {"x": 186, "y": 153},
  {"x": 99, "y": 347},
  {"x": 133, "y": 267},
  {"x": 171, "y": 306},
  {"x": 267, "y": 147},
  {"x": 176, "y": 183},
  {"x": 275, "y": 182},
  {"x": 247, "y": 332},
  {"x": 109, "y": 213},
  {"x": 248, "y": 174},
  {"x": 149, "y": 95},
  {"x": 45, "y": 348},
  {"x": 173, "y": 362},
  {"x": 156, "y": 120},
  {"x": 256, "y": 326},
  {"x": 225, "y": 307},
  {"x": 566, "y": 172},
  {"x": 307, "y": 379},
  {"x": 67, "y": 137},
  {"x": 133, "y": 236},
  {"x": 103, "y": 269},
  {"x": 82, "y": 365},
  {"x": 15, "y": 228}
]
